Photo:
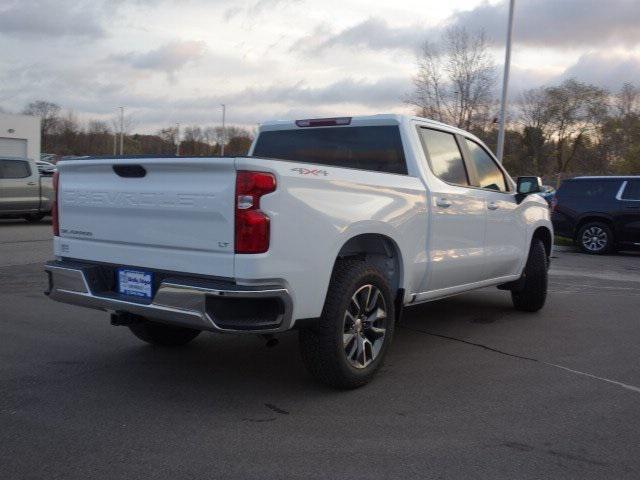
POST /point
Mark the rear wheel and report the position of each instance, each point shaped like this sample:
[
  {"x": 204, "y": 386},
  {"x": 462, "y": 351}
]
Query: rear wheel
[
  {"x": 595, "y": 238},
  {"x": 161, "y": 334},
  {"x": 531, "y": 293},
  {"x": 349, "y": 344}
]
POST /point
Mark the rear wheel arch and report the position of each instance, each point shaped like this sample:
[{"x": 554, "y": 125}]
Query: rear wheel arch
[{"x": 380, "y": 250}]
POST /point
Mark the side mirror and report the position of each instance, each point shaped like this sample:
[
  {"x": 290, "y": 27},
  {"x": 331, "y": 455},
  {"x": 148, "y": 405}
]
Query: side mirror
[{"x": 528, "y": 185}]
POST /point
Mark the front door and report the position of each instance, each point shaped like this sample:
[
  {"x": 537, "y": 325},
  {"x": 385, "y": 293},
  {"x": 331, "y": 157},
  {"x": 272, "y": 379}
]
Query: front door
[
  {"x": 19, "y": 187},
  {"x": 505, "y": 241}
]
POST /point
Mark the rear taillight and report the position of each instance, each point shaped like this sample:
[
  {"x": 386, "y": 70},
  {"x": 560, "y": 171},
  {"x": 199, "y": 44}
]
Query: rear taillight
[
  {"x": 252, "y": 225},
  {"x": 55, "y": 217},
  {"x": 554, "y": 203}
]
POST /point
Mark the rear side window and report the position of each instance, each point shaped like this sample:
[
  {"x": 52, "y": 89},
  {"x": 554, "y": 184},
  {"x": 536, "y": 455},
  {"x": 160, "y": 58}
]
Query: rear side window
[
  {"x": 489, "y": 175},
  {"x": 632, "y": 190},
  {"x": 14, "y": 169},
  {"x": 366, "y": 148},
  {"x": 589, "y": 188},
  {"x": 444, "y": 156}
]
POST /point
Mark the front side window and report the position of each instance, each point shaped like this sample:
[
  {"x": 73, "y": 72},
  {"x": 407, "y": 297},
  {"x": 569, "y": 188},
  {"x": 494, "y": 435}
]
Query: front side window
[
  {"x": 489, "y": 174},
  {"x": 632, "y": 190},
  {"x": 14, "y": 169},
  {"x": 444, "y": 156}
]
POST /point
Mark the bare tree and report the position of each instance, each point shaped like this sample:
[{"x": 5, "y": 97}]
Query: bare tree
[
  {"x": 128, "y": 123},
  {"x": 627, "y": 100},
  {"x": 49, "y": 114},
  {"x": 455, "y": 80},
  {"x": 533, "y": 106},
  {"x": 575, "y": 110}
]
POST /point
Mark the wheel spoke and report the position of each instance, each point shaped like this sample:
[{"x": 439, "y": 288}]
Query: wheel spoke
[
  {"x": 360, "y": 354},
  {"x": 351, "y": 355},
  {"x": 367, "y": 297},
  {"x": 373, "y": 300},
  {"x": 356, "y": 302},
  {"x": 367, "y": 351},
  {"x": 377, "y": 331},
  {"x": 347, "y": 338},
  {"x": 349, "y": 320},
  {"x": 379, "y": 314}
]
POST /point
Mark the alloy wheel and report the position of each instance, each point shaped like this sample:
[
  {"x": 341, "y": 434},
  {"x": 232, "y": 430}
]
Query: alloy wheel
[
  {"x": 364, "y": 328},
  {"x": 594, "y": 239}
]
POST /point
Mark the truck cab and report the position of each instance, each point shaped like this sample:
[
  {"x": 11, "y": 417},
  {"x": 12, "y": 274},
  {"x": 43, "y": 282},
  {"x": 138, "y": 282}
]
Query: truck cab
[{"x": 24, "y": 192}]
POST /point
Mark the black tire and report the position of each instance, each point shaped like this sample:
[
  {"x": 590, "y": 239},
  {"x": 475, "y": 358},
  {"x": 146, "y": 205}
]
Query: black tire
[
  {"x": 323, "y": 346},
  {"x": 595, "y": 238},
  {"x": 34, "y": 217},
  {"x": 531, "y": 293},
  {"x": 162, "y": 334}
]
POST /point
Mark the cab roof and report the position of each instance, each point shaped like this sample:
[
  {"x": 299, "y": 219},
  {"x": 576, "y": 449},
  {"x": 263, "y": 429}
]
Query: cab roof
[{"x": 358, "y": 120}]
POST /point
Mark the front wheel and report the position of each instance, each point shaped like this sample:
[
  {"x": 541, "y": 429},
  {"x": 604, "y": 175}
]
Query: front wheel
[
  {"x": 163, "y": 335},
  {"x": 349, "y": 344},
  {"x": 531, "y": 293}
]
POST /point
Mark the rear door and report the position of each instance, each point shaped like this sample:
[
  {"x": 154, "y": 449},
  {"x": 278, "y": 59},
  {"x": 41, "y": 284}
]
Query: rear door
[
  {"x": 174, "y": 214},
  {"x": 506, "y": 233},
  {"x": 19, "y": 187},
  {"x": 457, "y": 222},
  {"x": 629, "y": 212}
]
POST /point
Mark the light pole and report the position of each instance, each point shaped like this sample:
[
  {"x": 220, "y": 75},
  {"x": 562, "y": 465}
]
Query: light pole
[
  {"x": 121, "y": 130},
  {"x": 224, "y": 132},
  {"x": 505, "y": 83},
  {"x": 177, "y": 139}
]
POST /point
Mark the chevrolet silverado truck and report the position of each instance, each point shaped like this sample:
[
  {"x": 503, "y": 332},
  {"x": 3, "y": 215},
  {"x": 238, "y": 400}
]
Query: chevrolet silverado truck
[
  {"x": 25, "y": 192},
  {"x": 328, "y": 226}
]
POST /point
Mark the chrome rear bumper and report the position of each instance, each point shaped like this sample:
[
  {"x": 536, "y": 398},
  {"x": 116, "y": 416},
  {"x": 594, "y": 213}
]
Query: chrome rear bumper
[{"x": 193, "y": 303}]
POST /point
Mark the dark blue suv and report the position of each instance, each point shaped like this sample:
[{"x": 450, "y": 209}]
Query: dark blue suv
[{"x": 600, "y": 214}]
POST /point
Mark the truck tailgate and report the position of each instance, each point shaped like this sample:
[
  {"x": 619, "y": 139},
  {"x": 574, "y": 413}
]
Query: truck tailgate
[{"x": 173, "y": 214}]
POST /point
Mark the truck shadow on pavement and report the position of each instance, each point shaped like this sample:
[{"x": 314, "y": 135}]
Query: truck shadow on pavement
[{"x": 215, "y": 368}]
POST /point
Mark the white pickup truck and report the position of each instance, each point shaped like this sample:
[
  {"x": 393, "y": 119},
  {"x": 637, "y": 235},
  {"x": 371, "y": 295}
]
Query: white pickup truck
[{"x": 329, "y": 226}]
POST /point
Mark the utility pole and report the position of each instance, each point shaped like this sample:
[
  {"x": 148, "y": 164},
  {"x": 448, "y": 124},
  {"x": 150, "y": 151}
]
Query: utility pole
[
  {"x": 115, "y": 142},
  {"x": 177, "y": 139},
  {"x": 121, "y": 131},
  {"x": 224, "y": 131},
  {"x": 505, "y": 83}
]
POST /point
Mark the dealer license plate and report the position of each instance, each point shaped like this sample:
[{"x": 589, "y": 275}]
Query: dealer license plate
[{"x": 135, "y": 283}]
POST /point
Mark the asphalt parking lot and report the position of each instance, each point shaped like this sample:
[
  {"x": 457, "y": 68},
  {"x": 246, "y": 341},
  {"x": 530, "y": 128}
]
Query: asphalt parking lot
[{"x": 471, "y": 389}]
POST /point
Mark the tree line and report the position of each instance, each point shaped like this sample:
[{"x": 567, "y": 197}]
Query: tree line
[
  {"x": 63, "y": 134},
  {"x": 553, "y": 131}
]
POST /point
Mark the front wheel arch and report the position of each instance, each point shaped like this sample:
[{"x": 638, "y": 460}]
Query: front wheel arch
[{"x": 543, "y": 234}]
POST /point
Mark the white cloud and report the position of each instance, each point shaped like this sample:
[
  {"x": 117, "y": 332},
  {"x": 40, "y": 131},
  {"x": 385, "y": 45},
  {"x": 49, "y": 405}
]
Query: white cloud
[
  {"x": 169, "y": 58},
  {"x": 52, "y": 18}
]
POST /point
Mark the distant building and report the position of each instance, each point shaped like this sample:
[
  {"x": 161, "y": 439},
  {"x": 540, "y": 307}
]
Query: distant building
[{"x": 19, "y": 136}]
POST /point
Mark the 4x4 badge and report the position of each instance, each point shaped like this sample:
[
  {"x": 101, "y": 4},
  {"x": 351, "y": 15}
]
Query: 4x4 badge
[{"x": 309, "y": 171}]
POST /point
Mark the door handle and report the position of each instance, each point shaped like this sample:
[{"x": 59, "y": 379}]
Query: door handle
[
  {"x": 31, "y": 183},
  {"x": 443, "y": 202},
  {"x": 492, "y": 206}
]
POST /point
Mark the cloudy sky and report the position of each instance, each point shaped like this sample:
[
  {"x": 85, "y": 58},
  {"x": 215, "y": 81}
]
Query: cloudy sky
[{"x": 174, "y": 61}]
